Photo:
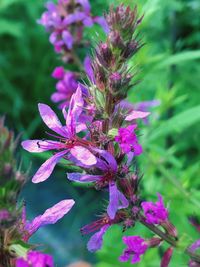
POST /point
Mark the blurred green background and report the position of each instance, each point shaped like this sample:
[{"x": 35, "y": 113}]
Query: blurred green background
[{"x": 169, "y": 72}]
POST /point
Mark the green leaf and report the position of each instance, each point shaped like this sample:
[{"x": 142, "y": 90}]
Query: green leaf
[
  {"x": 179, "y": 58},
  {"x": 11, "y": 28},
  {"x": 177, "y": 123}
]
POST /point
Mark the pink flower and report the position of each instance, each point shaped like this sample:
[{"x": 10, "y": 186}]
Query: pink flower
[
  {"x": 155, "y": 213},
  {"x": 68, "y": 141},
  {"x": 128, "y": 141},
  {"x": 136, "y": 246},
  {"x": 35, "y": 259}
]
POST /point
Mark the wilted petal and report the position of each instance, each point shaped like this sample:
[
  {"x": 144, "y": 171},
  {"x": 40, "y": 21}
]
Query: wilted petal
[
  {"x": 80, "y": 177},
  {"x": 116, "y": 200},
  {"x": 96, "y": 241},
  {"x": 38, "y": 146},
  {"x": 47, "y": 167},
  {"x": 136, "y": 115},
  {"x": 50, "y": 216},
  {"x": 83, "y": 155},
  {"x": 50, "y": 119}
]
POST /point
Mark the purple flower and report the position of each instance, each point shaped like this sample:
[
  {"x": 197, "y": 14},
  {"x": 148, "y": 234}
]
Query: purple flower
[
  {"x": 35, "y": 259},
  {"x": 66, "y": 86},
  {"x": 66, "y": 22},
  {"x": 155, "y": 213},
  {"x": 128, "y": 141},
  {"x": 50, "y": 216},
  {"x": 136, "y": 246},
  {"x": 68, "y": 142},
  {"x": 107, "y": 166}
]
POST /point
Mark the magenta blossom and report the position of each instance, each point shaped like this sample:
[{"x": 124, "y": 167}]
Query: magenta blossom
[
  {"x": 128, "y": 141},
  {"x": 50, "y": 216},
  {"x": 68, "y": 141},
  {"x": 155, "y": 213},
  {"x": 66, "y": 86},
  {"x": 66, "y": 21},
  {"x": 35, "y": 259},
  {"x": 136, "y": 246},
  {"x": 107, "y": 167}
]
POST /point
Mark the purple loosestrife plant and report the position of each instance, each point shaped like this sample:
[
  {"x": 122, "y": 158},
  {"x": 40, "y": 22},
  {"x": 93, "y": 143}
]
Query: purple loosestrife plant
[{"x": 100, "y": 136}]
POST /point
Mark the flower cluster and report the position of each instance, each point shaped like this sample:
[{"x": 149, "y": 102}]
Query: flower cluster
[{"x": 66, "y": 21}]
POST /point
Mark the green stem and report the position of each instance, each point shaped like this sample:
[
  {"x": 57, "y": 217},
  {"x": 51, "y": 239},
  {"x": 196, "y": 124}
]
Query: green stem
[{"x": 194, "y": 256}]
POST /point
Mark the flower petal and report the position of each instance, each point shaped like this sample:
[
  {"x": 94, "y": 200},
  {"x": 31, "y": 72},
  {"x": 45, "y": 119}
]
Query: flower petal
[
  {"x": 80, "y": 177},
  {"x": 50, "y": 216},
  {"x": 38, "y": 146},
  {"x": 116, "y": 200},
  {"x": 47, "y": 167},
  {"x": 96, "y": 241},
  {"x": 83, "y": 155},
  {"x": 136, "y": 115},
  {"x": 50, "y": 119},
  {"x": 75, "y": 109}
]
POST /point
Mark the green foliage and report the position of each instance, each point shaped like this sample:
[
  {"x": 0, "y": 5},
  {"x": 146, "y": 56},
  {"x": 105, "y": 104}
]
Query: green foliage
[{"x": 169, "y": 72}]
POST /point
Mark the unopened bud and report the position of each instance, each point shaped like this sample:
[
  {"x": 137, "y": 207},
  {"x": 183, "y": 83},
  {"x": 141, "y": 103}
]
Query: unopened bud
[
  {"x": 131, "y": 49},
  {"x": 116, "y": 40},
  {"x": 115, "y": 81},
  {"x": 154, "y": 242},
  {"x": 167, "y": 257},
  {"x": 170, "y": 228}
]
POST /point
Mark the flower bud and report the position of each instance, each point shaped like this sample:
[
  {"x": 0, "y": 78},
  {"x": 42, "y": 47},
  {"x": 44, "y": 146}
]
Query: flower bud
[
  {"x": 166, "y": 257},
  {"x": 170, "y": 228},
  {"x": 154, "y": 242},
  {"x": 131, "y": 49},
  {"x": 115, "y": 81},
  {"x": 116, "y": 40}
]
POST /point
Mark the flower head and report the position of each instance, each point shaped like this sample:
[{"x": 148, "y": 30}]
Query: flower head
[
  {"x": 35, "y": 259},
  {"x": 155, "y": 213},
  {"x": 136, "y": 246},
  {"x": 68, "y": 142},
  {"x": 66, "y": 20},
  {"x": 128, "y": 141}
]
